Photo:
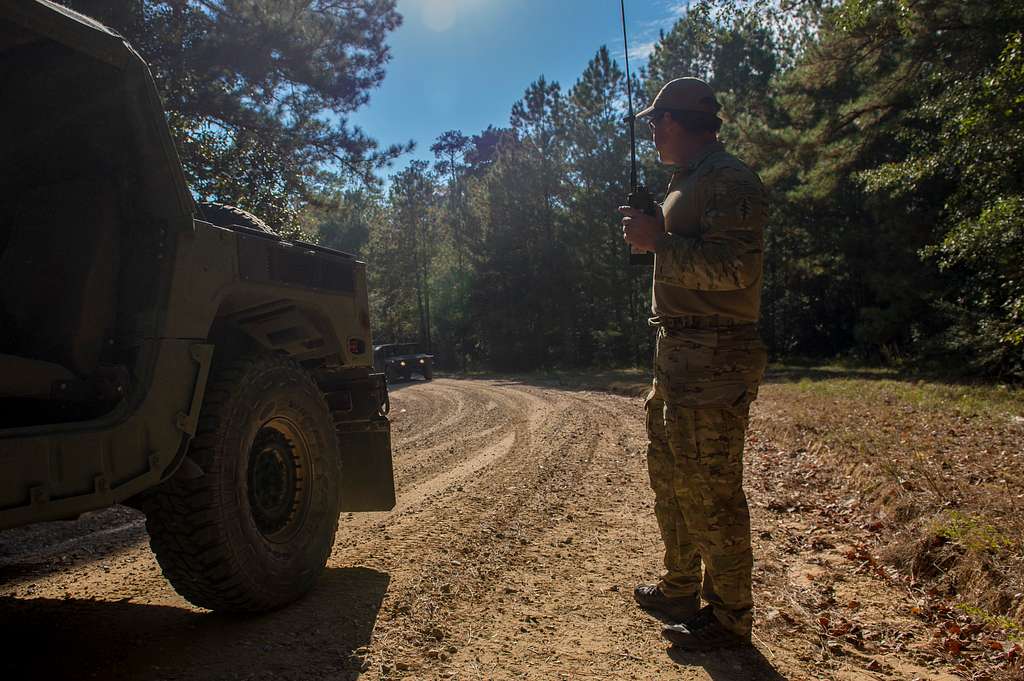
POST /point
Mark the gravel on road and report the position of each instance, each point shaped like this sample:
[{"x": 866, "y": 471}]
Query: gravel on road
[{"x": 524, "y": 519}]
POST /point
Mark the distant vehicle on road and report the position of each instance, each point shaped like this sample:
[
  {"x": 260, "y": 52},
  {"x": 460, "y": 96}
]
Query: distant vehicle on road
[{"x": 401, "y": 360}]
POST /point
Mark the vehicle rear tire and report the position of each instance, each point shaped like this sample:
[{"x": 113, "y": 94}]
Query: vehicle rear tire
[
  {"x": 254, "y": 531},
  {"x": 223, "y": 215}
]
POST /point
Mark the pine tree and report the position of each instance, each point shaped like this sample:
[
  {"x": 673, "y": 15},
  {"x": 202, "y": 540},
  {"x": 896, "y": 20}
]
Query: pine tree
[
  {"x": 259, "y": 93},
  {"x": 599, "y": 149}
]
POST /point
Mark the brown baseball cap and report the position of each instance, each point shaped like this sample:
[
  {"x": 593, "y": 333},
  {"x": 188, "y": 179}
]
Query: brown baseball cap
[{"x": 684, "y": 94}]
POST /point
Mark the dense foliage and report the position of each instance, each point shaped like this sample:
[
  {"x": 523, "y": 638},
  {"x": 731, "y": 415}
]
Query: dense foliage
[
  {"x": 258, "y": 92},
  {"x": 897, "y": 170},
  {"x": 889, "y": 133}
]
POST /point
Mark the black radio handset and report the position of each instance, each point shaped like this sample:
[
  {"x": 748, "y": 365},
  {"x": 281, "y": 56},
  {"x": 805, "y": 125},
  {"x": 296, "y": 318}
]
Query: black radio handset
[{"x": 639, "y": 197}]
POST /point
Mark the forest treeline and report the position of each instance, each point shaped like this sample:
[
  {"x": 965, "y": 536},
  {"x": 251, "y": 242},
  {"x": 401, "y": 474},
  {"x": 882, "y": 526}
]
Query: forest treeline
[
  {"x": 888, "y": 132},
  {"x": 890, "y": 135}
]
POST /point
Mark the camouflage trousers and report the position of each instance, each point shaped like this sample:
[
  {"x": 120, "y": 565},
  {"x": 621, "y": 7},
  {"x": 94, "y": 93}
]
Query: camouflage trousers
[{"x": 697, "y": 411}]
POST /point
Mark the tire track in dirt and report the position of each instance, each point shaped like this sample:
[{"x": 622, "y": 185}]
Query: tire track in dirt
[
  {"x": 418, "y": 415},
  {"x": 524, "y": 519},
  {"x": 494, "y": 549},
  {"x": 425, "y": 445},
  {"x": 471, "y": 465}
]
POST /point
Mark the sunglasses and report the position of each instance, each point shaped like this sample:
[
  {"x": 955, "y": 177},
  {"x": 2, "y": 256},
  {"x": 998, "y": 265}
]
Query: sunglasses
[{"x": 653, "y": 119}]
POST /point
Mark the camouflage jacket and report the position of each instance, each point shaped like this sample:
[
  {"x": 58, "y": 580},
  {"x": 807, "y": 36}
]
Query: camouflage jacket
[{"x": 709, "y": 260}]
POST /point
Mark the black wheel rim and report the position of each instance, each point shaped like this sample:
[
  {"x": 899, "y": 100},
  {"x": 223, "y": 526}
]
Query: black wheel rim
[{"x": 278, "y": 471}]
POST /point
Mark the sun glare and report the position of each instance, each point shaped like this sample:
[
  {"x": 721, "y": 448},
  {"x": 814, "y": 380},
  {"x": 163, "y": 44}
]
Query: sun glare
[{"x": 439, "y": 15}]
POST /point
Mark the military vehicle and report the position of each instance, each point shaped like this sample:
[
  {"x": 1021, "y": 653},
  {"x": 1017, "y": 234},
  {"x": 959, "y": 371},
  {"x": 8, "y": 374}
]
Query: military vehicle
[
  {"x": 178, "y": 358},
  {"x": 402, "y": 360}
]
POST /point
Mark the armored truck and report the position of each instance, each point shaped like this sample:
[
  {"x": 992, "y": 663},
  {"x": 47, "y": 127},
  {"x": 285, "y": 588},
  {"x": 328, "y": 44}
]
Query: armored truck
[{"x": 179, "y": 358}]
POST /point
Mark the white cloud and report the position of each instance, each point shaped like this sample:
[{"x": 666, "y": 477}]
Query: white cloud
[
  {"x": 678, "y": 9},
  {"x": 642, "y": 50},
  {"x": 648, "y": 31}
]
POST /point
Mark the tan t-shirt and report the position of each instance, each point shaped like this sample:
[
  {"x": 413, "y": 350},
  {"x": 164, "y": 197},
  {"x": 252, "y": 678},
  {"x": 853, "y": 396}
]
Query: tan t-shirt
[{"x": 710, "y": 258}]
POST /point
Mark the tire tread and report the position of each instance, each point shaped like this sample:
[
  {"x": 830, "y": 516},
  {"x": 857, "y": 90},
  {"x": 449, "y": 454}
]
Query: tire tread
[{"x": 182, "y": 515}]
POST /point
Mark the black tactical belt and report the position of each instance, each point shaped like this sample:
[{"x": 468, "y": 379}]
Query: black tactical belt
[{"x": 698, "y": 322}]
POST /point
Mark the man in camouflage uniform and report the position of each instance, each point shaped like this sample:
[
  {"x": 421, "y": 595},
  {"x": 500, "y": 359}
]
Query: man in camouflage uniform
[{"x": 708, "y": 241}]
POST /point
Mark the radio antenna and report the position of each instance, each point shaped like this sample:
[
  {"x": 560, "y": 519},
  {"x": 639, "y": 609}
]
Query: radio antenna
[
  {"x": 639, "y": 197},
  {"x": 629, "y": 97}
]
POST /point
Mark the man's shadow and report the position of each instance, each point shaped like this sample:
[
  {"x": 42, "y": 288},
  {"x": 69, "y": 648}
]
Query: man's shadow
[
  {"x": 77, "y": 638},
  {"x": 741, "y": 664}
]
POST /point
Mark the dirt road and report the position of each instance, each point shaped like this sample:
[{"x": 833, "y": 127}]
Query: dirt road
[{"x": 524, "y": 520}]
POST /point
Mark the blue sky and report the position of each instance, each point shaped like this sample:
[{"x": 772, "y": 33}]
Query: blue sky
[{"x": 461, "y": 64}]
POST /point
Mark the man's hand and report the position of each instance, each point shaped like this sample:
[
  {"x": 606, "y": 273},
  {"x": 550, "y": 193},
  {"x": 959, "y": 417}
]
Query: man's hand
[{"x": 639, "y": 229}]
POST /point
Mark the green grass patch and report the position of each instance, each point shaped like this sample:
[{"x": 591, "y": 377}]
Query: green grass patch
[
  {"x": 838, "y": 380},
  {"x": 1013, "y": 630},
  {"x": 885, "y": 386},
  {"x": 972, "y": 532}
]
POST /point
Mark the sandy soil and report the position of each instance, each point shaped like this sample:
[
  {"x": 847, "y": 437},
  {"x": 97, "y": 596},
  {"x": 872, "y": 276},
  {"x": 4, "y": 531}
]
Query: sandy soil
[{"x": 524, "y": 520}]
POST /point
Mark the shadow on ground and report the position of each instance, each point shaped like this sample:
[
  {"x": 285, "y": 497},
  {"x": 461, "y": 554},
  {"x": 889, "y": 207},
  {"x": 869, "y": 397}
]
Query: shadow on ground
[
  {"x": 637, "y": 382},
  {"x": 747, "y": 664},
  {"x": 40, "y": 549},
  {"x": 81, "y": 639},
  {"x": 796, "y": 373},
  {"x": 398, "y": 384}
]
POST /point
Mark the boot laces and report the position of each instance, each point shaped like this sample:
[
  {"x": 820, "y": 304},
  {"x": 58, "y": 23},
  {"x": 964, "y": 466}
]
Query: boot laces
[{"x": 704, "y": 618}]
